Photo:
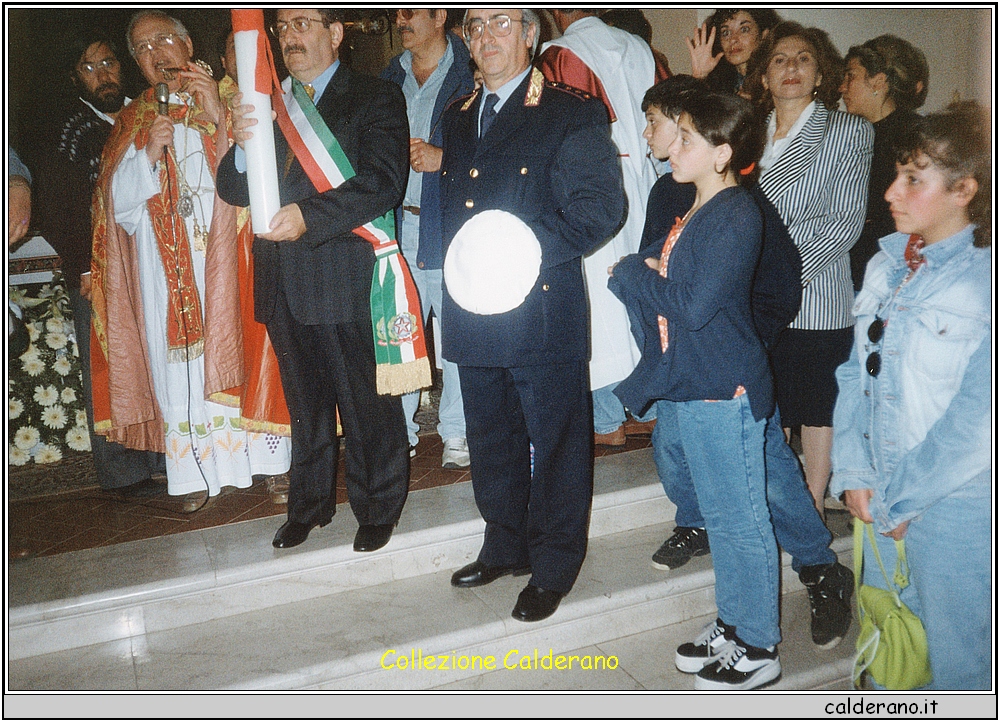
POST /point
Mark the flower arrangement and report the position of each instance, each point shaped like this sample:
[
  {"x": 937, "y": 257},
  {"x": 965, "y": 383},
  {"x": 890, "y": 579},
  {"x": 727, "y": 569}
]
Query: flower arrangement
[{"x": 45, "y": 410}]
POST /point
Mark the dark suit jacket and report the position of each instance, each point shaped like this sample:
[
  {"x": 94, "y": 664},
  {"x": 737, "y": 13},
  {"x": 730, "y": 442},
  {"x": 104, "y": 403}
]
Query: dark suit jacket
[
  {"x": 457, "y": 82},
  {"x": 553, "y": 165},
  {"x": 326, "y": 274}
]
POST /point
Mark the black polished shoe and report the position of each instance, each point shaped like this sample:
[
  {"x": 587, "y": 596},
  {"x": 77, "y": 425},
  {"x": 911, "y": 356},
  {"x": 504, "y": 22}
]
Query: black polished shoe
[
  {"x": 535, "y": 604},
  {"x": 477, "y": 574},
  {"x": 291, "y": 534},
  {"x": 372, "y": 536}
]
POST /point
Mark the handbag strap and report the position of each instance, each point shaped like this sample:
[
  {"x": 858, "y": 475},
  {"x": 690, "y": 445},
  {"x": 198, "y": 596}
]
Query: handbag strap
[{"x": 902, "y": 568}]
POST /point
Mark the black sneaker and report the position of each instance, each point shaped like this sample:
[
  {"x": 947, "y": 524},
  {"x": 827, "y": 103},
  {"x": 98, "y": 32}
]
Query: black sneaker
[
  {"x": 694, "y": 656},
  {"x": 830, "y": 588},
  {"x": 686, "y": 542},
  {"x": 740, "y": 667}
]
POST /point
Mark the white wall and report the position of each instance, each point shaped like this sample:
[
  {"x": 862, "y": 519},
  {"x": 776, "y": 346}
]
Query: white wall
[{"x": 957, "y": 42}]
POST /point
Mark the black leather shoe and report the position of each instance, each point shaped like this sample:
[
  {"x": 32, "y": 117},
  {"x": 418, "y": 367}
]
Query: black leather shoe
[
  {"x": 372, "y": 536},
  {"x": 477, "y": 574},
  {"x": 291, "y": 534},
  {"x": 534, "y": 604}
]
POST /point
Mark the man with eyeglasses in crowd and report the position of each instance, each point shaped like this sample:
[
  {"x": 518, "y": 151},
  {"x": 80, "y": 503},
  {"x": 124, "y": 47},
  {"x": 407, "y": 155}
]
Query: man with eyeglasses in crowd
[
  {"x": 433, "y": 70},
  {"x": 168, "y": 362},
  {"x": 529, "y": 172},
  {"x": 67, "y": 172},
  {"x": 313, "y": 281}
]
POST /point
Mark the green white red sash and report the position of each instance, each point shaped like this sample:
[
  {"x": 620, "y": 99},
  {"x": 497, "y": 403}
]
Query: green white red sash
[{"x": 397, "y": 325}]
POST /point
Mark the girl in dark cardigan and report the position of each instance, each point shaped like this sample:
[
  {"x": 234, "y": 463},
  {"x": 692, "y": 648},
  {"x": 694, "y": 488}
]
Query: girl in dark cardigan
[{"x": 702, "y": 355}]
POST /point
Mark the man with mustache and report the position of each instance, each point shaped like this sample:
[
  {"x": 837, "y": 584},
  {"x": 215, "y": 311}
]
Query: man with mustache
[
  {"x": 172, "y": 368},
  {"x": 433, "y": 70},
  {"x": 65, "y": 184},
  {"x": 314, "y": 276}
]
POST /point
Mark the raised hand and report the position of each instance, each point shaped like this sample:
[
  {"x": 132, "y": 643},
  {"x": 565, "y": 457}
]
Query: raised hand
[{"x": 700, "y": 48}]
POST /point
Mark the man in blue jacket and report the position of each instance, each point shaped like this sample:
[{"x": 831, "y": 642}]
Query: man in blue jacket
[{"x": 433, "y": 70}]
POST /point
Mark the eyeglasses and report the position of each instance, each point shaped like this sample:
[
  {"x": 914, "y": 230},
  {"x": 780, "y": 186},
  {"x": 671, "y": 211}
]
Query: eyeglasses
[
  {"x": 109, "y": 64},
  {"x": 499, "y": 26},
  {"x": 875, "y": 332},
  {"x": 299, "y": 25},
  {"x": 157, "y": 41},
  {"x": 405, "y": 13}
]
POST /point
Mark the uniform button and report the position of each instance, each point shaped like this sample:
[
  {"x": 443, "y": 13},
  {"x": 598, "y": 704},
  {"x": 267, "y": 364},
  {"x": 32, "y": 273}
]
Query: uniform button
[
  {"x": 524, "y": 171},
  {"x": 469, "y": 203},
  {"x": 420, "y": 264},
  {"x": 474, "y": 172},
  {"x": 545, "y": 287},
  {"x": 866, "y": 436},
  {"x": 867, "y": 392},
  {"x": 444, "y": 173}
]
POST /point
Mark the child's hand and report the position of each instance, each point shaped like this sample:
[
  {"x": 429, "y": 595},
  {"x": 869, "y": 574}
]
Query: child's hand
[
  {"x": 611, "y": 269},
  {"x": 653, "y": 263}
]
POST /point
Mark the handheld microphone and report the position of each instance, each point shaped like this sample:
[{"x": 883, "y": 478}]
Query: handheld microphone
[{"x": 162, "y": 93}]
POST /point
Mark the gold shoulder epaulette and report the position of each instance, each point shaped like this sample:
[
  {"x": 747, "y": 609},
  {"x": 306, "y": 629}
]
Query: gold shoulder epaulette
[
  {"x": 469, "y": 100},
  {"x": 534, "y": 93}
]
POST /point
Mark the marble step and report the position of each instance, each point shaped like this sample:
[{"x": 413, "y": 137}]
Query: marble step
[
  {"x": 619, "y": 607},
  {"x": 127, "y": 590}
]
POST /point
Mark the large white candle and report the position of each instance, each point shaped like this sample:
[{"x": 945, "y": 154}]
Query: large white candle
[{"x": 262, "y": 168}]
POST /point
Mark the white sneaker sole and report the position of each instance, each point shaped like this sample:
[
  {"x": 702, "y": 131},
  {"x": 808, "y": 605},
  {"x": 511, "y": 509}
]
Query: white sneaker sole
[{"x": 765, "y": 675}]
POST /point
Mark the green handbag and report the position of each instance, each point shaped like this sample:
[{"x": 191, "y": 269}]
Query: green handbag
[{"x": 892, "y": 644}]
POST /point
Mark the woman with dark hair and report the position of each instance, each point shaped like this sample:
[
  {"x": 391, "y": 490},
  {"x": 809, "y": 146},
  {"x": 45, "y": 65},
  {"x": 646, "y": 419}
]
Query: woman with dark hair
[
  {"x": 703, "y": 359},
  {"x": 815, "y": 171},
  {"x": 911, "y": 451},
  {"x": 722, "y": 48},
  {"x": 885, "y": 81}
]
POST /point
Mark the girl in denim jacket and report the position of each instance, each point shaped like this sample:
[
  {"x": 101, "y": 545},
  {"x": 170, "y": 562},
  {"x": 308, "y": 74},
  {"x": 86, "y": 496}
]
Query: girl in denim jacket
[{"x": 912, "y": 422}]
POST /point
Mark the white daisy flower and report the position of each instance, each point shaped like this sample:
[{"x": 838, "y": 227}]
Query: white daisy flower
[
  {"x": 31, "y": 354},
  {"x": 78, "y": 439},
  {"x": 33, "y": 366},
  {"x": 46, "y": 395},
  {"x": 17, "y": 457},
  {"x": 81, "y": 417},
  {"x": 68, "y": 395},
  {"x": 54, "y": 324},
  {"x": 54, "y": 417},
  {"x": 26, "y": 437},
  {"x": 14, "y": 408},
  {"x": 47, "y": 454},
  {"x": 62, "y": 366},
  {"x": 56, "y": 340}
]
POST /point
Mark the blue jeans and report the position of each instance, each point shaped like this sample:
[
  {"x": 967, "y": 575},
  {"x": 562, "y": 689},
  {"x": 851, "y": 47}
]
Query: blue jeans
[
  {"x": 799, "y": 529},
  {"x": 948, "y": 550},
  {"x": 451, "y": 415},
  {"x": 609, "y": 413},
  {"x": 724, "y": 449}
]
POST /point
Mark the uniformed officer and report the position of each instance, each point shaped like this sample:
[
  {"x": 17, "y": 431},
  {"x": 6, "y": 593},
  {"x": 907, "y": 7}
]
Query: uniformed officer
[{"x": 530, "y": 183}]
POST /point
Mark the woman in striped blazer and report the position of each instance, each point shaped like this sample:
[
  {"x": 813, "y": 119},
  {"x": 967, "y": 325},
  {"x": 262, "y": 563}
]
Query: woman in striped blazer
[{"x": 815, "y": 171}]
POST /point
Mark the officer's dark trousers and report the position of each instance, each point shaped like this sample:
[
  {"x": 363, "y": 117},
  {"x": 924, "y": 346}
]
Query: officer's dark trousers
[{"x": 538, "y": 518}]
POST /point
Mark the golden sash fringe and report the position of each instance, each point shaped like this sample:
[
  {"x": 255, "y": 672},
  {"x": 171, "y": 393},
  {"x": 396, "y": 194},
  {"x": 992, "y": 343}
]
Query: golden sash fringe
[
  {"x": 399, "y": 379},
  {"x": 186, "y": 353}
]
